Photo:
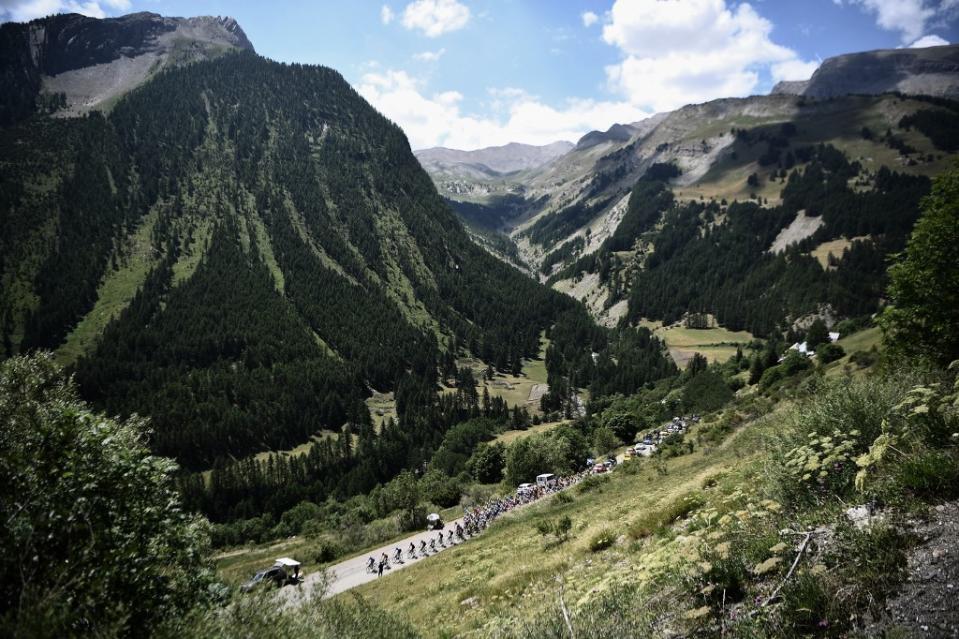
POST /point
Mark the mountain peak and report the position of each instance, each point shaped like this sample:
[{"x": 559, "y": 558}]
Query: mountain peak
[
  {"x": 493, "y": 160},
  {"x": 91, "y": 61},
  {"x": 922, "y": 71}
]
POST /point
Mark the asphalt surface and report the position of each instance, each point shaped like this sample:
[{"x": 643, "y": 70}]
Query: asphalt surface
[{"x": 352, "y": 572}]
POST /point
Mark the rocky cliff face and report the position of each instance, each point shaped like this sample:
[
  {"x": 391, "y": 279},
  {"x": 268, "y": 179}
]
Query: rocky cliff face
[
  {"x": 91, "y": 61},
  {"x": 930, "y": 71}
]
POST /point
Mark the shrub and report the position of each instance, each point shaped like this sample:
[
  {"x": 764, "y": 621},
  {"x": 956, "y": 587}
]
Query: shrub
[
  {"x": 486, "y": 464},
  {"x": 592, "y": 482},
  {"x": 325, "y": 551},
  {"x": 654, "y": 522},
  {"x": 440, "y": 489},
  {"x": 931, "y": 474},
  {"x": 602, "y": 540},
  {"x": 95, "y": 540},
  {"x": 864, "y": 359},
  {"x": 559, "y": 529},
  {"x": 829, "y": 353}
]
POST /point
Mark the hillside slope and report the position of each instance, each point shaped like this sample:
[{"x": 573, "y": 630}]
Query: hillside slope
[{"x": 240, "y": 250}]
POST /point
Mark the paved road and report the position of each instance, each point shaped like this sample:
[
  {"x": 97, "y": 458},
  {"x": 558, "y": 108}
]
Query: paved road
[{"x": 352, "y": 572}]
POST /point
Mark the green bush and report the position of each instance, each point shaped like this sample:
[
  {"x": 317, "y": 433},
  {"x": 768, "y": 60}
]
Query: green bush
[
  {"x": 930, "y": 475},
  {"x": 654, "y": 522},
  {"x": 706, "y": 392},
  {"x": 559, "y": 529},
  {"x": 602, "y": 540},
  {"x": 440, "y": 489},
  {"x": 591, "y": 483},
  {"x": 325, "y": 551},
  {"x": 95, "y": 540},
  {"x": 829, "y": 353}
]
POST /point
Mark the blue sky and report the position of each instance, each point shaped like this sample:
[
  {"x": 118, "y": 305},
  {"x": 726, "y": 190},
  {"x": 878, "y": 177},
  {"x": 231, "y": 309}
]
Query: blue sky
[{"x": 473, "y": 73}]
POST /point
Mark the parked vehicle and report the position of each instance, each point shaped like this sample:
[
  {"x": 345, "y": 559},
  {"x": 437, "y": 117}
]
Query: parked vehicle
[
  {"x": 524, "y": 489},
  {"x": 644, "y": 450},
  {"x": 284, "y": 572},
  {"x": 434, "y": 522},
  {"x": 546, "y": 480},
  {"x": 599, "y": 468}
]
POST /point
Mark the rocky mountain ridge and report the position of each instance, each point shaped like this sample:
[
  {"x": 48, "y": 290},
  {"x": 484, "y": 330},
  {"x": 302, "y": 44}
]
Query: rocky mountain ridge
[
  {"x": 927, "y": 71},
  {"x": 491, "y": 161},
  {"x": 71, "y": 63}
]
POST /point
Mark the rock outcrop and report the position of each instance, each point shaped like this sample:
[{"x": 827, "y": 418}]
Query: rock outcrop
[{"x": 91, "y": 61}]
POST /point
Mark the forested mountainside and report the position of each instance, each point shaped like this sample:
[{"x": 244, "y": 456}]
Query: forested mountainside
[
  {"x": 756, "y": 195},
  {"x": 70, "y": 63},
  {"x": 242, "y": 249}
]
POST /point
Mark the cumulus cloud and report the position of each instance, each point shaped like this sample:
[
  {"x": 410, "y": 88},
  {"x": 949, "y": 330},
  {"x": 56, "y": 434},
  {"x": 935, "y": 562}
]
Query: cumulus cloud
[
  {"x": 429, "y": 56},
  {"x": 589, "y": 18},
  {"x": 386, "y": 14},
  {"x": 439, "y": 120},
  {"x": 678, "y": 52},
  {"x": 26, "y": 10},
  {"x": 435, "y": 17},
  {"x": 929, "y": 41},
  {"x": 793, "y": 70},
  {"x": 909, "y": 17}
]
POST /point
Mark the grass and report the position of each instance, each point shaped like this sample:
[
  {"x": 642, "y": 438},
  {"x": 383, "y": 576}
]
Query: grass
[
  {"x": 509, "y": 574},
  {"x": 115, "y": 292},
  {"x": 716, "y": 344},
  {"x": 382, "y": 407},
  {"x": 511, "y": 436},
  {"x": 834, "y": 248},
  {"x": 859, "y": 341},
  {"x": 516, "y": 390}
]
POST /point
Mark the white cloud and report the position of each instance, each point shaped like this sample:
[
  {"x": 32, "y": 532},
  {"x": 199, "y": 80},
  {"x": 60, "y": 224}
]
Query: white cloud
[
  {"x": 429, "y": 56},
  {"x": 929, "y": 41},
  {"x": 439, "y": 120},
  {"x": 909, "y": 17},
  {"x": 386, "y": 14},
  {"x": 435, "y": 17},
  {"x": 793, "y": 70},
  {"x": 26, "y": 10},
  {"x": 678, "y": 52},
  {"x": 589, "y": 18}
]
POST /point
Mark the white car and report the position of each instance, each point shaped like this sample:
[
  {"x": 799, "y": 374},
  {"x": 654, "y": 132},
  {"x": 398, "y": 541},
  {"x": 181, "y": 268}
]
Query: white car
[
  {"x": 644, "y": 450},
  {"x": 524, "y": 489}
]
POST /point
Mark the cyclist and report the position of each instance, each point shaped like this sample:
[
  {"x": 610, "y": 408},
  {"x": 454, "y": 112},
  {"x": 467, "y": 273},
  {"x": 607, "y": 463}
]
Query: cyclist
[
  {"x": 398, "y": 555},
  {"x": 411, "y": 551},
  {"x": 370, "y": 565},
  {"x": 423, "y": 547}
]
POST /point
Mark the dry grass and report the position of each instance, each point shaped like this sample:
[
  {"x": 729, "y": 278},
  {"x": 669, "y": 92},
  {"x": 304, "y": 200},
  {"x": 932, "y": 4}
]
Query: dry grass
[
  {"x": 834, "y": 248},
  {"x": 715, "y": 344},
  {"x": 509, "y": 573},
  {"x": 511, "y": 436}
]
